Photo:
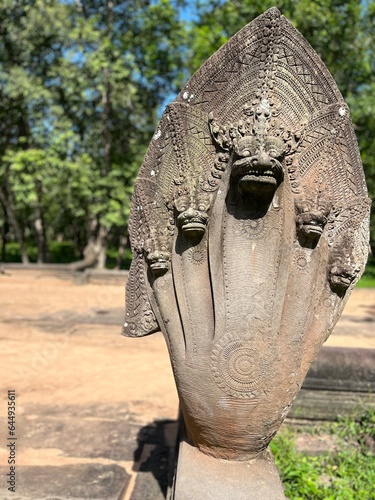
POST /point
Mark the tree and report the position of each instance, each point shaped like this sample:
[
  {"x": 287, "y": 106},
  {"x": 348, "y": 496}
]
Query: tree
[
  {"x": 81, "y": 83},
  {"x": 33, "y": 124}
]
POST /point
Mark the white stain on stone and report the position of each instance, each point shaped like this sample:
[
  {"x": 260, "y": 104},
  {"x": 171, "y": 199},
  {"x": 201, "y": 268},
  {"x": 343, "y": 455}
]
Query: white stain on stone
[{"x": 157, "y": 135}]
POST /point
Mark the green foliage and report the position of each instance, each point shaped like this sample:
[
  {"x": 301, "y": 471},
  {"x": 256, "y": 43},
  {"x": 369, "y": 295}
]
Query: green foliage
[
  {"x": 368, "y": 278},
  {"x": 358, "y": 429},
  {"x": 80, "y": 87},
  {"x": 366, "y": 281},
  {"x": 345, "y": 474},
  {"x": 112, "y": 257},
  {"x": 13, "y": 253},
  {"x": 62, "y": 252}
]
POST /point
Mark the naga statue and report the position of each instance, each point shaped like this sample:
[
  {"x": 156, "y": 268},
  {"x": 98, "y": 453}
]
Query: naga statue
[{"x": 249, "y": 229}]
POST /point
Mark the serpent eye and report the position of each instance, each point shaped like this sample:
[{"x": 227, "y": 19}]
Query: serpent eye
[
  {"x": 274, "y": 146},
  {"x": 246, "y": 147},
  {"x": 273, "y": 153}
]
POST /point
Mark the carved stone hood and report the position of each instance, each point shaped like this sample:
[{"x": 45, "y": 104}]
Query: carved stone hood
[{"x": 249, "y": 229}]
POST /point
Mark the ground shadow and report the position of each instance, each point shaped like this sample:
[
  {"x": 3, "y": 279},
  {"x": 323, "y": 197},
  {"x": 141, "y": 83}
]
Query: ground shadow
[
  {"x": 371, "y": 310},
  {"x": 156, "y": 455}
]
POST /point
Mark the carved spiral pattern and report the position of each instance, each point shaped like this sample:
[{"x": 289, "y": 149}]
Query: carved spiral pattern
[
  {"x": 196, "y": 256},
  {"x": 255, "y": 228},
  {"x": 301, "y": 261},
  {"x": 237, "y": 366}
]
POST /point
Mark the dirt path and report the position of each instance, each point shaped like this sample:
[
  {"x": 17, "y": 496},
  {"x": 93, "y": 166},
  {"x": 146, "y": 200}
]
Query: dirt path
[{"x": 62, "y": 343}]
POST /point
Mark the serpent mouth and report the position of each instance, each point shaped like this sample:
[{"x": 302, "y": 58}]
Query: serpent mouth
[
  {"x": 342, "y": 277},
  {"x": 159, "y": 265},
  {"x": 261, "y": 177},
  {"x": 341, "y": 280},
  {"x": 314, "y": 227},
  {"x": 159, "y": 262},
  {"x": 259, "y": 170},
  {"x": 193, "y": 221},
  {"x": 312, "y": 223},
  {"x": 194, "y": 224}
]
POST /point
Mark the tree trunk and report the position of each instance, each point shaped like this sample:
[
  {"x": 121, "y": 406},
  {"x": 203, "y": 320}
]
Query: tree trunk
[
  {"x": 101, "y": 240},
  {"x": 40, "y": 227},
  {"x": 121, "y": 251},
  {"x": 106, "y": 98},
  {"x": 95, "y": 252},
  {"x": 38, "y": 232},
  {"x": 90, "y": 258},
  {"x": 41, "y": 237},
  {"x": 4, "y": 234},
  {"x": 8, "y": 205},
  {"x": 101, "y": 246}
]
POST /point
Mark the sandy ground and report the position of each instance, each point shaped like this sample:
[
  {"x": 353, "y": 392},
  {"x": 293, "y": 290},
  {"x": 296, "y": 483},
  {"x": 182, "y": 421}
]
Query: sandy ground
[
  {"x": 58, "y": 347},
  {"x": 61, "y": 344},
  {"x": 356, "y": 327}
]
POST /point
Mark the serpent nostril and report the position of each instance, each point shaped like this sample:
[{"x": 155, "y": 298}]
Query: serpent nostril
[{"x": 264, "y": 160}]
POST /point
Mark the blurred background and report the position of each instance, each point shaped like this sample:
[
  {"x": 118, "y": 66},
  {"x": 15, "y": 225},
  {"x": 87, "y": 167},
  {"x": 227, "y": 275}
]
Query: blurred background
[{"x": 83, "y": 84}]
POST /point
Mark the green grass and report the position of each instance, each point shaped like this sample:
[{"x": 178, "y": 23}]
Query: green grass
[
  {"x": 366, "y": 282},
  {"x": 348, "y": 474},
  {"x": 368, "y": 278}
]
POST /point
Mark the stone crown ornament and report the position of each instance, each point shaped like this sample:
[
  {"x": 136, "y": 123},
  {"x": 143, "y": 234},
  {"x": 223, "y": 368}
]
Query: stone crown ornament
[{"x": 249, "y": 229}]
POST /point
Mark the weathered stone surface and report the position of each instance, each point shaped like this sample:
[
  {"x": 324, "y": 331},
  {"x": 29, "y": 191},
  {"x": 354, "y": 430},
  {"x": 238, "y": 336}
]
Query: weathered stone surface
[
  {"x": 328, "y": 405},
  {"x": 317, "y": 444},
  {"x": 80, "y": 431},
  {"x": 340, "y": 382},
  {"x": 67, "y": 482},
  {"x": 343, "y": 369},
  {"x": 97, "y": 432},
  {"x": 201, "y": 476},
  {"x": 66, "y": 321},
  {"x": 155, "y": 460},
  {"x": 249, "y": 230}
]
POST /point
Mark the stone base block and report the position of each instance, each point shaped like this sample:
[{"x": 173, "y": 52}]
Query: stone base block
[{"x": 201, "y": 476}]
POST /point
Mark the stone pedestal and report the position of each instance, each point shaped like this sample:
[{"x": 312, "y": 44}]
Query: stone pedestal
[{"x": 200, "y": 476}]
